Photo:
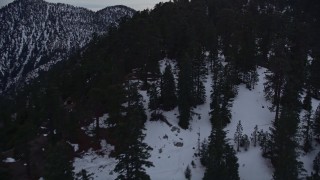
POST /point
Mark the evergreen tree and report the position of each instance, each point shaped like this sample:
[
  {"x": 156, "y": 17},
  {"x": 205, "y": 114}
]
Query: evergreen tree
[
  {"x": 307, "y": 102},
  {"x": 97, "y": 100},
  {"x": 168, "y": 90},
  {"x": 275, "y": 77},
  {"x": 133, "y": 155},
  {"x": 154, "y": 103},
  {"x": 153, "y": 97},
  {"x": 58, "y": 164},
  {"x": 216, "y": 69},
  {"x": 244, "y": 62},
  {"x": 199, "y": 75},
  {"x": 283, "y": 153},
  {"x": 245, "y": 143},
  {"x": 53, "y": 112},
  {"x": 306, "y": 132},
  {"x": 229, "y": 88},
  {"x": 134, "y": 116},
  {"x": 203, "y": 152},
  {"x": 250, "y": 79},
  {"x": 221, "y": 159},
  {"x": 314, "y": 73},
  {"x": 83, "y": 175},
  {"x": 284, "y": 157},
  {"x": 184, "y": 92},
  {"x": 187, "y": 173},
  {"x": 316, "y": 168},
  {"x": 264, "y": 139},
  {"x": 316, "y": 121},
  {"x": 133, "y": 160},
  {"x": 4, "y": 173},
  {"x": 238, "y": 135},
  {"x": 254, "y": 136},
  {"x": 222, "y": 96},
  {"x": 116, "y": 100},
  {"x": 219, "y": 109}
]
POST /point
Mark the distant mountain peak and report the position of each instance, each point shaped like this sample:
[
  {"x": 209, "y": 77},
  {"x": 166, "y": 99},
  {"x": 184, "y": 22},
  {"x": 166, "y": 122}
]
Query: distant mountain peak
[{"x": 33, "y": 38}]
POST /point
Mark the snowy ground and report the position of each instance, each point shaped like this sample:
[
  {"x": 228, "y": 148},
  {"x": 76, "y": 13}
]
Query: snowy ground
[
  {"x": 174, "y": 148},
  {"x": 170, "y": 160},
  {"x": 307, "y": 159},
  {"x": 97, "y": 163},
  {"x": 252, "y": 109}
]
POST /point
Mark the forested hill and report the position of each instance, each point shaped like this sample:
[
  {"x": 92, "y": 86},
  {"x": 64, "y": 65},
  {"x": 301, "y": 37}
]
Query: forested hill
[
  {"x": 281, "y": 36},
  {"x": 35, "y": 34}
]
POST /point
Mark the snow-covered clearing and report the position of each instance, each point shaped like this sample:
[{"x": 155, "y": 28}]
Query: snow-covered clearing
[
  {"x": 252, "y": 109},
  {"x": 174, "y": 148}
]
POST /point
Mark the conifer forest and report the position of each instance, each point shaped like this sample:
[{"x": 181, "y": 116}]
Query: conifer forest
[{"x": 190, "y": 89}]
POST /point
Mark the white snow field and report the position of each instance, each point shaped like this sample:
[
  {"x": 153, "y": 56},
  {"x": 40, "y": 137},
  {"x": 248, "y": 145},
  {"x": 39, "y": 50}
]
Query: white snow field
[
  {"x": 252, "y": 109},
  {"x": 174, "y": 148}
]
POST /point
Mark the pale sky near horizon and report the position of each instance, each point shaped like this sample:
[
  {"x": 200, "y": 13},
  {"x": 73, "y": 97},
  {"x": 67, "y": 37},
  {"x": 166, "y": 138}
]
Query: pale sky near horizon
[{"x": 100, "y": 4}]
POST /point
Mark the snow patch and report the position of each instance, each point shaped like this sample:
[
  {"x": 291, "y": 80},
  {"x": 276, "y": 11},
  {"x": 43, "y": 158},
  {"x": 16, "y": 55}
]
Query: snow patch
[
  {"x": 97, "y": 163},
  {"x": 89, "y": 130},
  {"x": 9, "y": 160}
]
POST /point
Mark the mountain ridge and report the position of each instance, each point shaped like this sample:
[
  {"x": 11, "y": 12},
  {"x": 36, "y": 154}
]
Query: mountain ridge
[{"x": 36, "y": 34}]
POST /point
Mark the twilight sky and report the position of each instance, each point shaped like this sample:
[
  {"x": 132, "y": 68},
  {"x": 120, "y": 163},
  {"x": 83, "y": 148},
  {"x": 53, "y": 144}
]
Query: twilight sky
[{"x": 100, "y": 4}]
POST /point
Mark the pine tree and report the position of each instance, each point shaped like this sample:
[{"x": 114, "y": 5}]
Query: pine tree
[
  {"x": 275, "y": 77},
  {"x": 264, "y": 139},
  {"x": 134, "y": 118},
  {"x": 316, "y": 121},
  {"x": 168, "y": 90},
  {"x": 187, "y": 173},
  {"x": 153, "y": 98},
  {"x": 117, "y": 100},
  {"x": 222, "y": 162},
  {"x": 97, "y": 100},
  {"x": 217, "y": 71},
  {"x": 238, "y": 135},
  {"x": 307, "y": 102},
  {"x": 218, "y": 156},
  {"x": 251, "y": 78},
  {"x": 133, "y": 155},
  {"x": 199, "y": 75},
  {"x": 229, "y": 88},
  {"x": 4, "y": 173},
  {"x": 316, "y": 167},
  {"x": 218, "y": 112},
  {"x": 58, "y": 165},
  {"x": 254, "y": 136},
  {"x": 245, "y": 57},
  {"x": 83, "y": 175},
  {"x": 133, "y": 160},
  {"x": 283, "y": 153},
  {"x": 203, "y": 152},
  {"x": 222, "y": 96},
  {"x": 245, "y": 143},
  {"x": 314, "y": 73},
  {"x": 154, "y": 103},
  {"x": 284, "y": 158},
  {"x": 184, "y": 92},
  {"x": 306, "y": 132}
]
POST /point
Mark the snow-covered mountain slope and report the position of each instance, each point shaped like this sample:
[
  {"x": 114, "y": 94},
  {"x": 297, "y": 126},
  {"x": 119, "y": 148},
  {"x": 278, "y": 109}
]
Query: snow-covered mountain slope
[
  {"x": 34, "y": 35},
  {"x": 174, "y": 148}
]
